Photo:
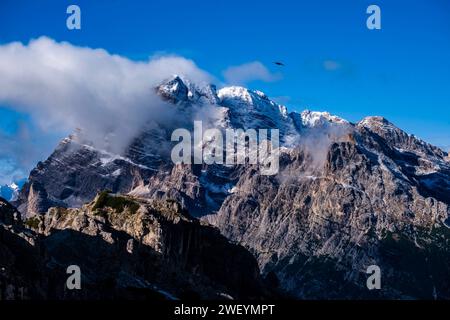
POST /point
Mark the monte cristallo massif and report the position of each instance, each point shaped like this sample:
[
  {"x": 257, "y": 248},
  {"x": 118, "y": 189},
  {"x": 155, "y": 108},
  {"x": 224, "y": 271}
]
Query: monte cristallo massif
[{"x": 346, "y": 196}]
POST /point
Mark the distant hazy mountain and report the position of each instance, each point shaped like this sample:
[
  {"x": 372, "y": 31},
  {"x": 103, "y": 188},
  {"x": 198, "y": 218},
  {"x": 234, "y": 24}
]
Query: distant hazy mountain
[
  {"x": 348, "y": 195},
  {"x": 11, "y": 191}
]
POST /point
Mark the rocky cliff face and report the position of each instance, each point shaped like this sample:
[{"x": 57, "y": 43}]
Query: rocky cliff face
[
  {"x": 347, "y": 195},
  {"x": 20, "y": 258},
  {"x": 126, "y": 248},
  {"x": 371, "y": 204}
]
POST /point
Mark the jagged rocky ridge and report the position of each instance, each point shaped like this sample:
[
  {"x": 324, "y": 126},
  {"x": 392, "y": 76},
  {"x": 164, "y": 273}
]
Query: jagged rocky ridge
[
  {"x": 126, "y": 248},
  {"x": 347, "y": 195}
]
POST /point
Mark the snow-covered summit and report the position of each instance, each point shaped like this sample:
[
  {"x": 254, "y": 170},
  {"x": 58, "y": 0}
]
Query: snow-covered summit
[
  {"x": 10, "y": 191},
  {"x": 372, "y": 122},
  {"x": 253, "y": 109},
  {"x": 243, "y": 108},
  {"x": 401, "y": 139},
  {"x": 316, "y": 118},
  {"x": 181, "y": 89},
  {"x": 242, "y": 97}
]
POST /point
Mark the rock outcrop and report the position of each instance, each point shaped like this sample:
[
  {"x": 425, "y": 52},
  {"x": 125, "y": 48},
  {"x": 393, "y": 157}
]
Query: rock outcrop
[{"x": 125, "y": 248}]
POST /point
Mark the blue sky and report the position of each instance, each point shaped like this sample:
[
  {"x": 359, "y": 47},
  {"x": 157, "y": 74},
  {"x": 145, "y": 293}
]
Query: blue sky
[{"x": 333, "y": 62}]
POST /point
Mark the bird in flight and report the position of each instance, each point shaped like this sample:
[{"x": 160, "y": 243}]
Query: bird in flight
[{"x": 279, "y": 63}]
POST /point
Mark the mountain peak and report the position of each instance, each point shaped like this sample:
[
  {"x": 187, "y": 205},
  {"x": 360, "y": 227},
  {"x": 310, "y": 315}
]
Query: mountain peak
[
  {"x": 252, "y": 109},
  {"x": 236, "y": 96},
  {"x": 317, "y": 118},
  {"x": 180, "y": 89},
  {"x": 10, "y": 191},
  {"x": 376, "y": 121},
  {"x": 173, "y": 89},
  {"x": 14, "y": 186},
  {"x": 235, "y": 93}
]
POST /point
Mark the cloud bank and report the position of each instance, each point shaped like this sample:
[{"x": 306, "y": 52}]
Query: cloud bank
[
  {"x": 252, "y": 71},
  {"x": 63, "y": 87}
]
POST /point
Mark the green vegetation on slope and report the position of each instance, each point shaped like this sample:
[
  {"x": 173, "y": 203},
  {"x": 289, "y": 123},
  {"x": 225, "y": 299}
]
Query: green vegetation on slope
[{"x": 118, "y": 203}]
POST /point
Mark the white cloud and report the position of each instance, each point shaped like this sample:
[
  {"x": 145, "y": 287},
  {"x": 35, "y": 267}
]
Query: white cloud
[
  {"x": 63, "y": 86},
  {"x": 247, "y": 72}
]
